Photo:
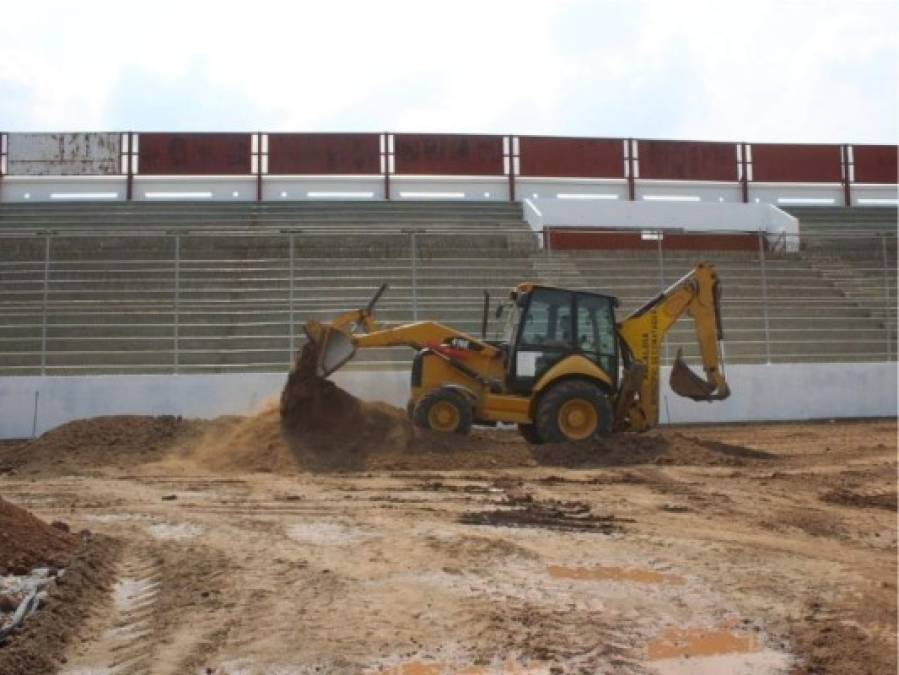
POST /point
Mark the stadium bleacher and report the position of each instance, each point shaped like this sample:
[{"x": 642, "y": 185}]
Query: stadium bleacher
[{"x": 220, "y": 287}]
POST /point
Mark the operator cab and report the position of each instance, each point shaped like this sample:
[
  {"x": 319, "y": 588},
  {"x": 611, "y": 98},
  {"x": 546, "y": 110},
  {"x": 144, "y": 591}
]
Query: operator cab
[{"x": 544, "y": 324}]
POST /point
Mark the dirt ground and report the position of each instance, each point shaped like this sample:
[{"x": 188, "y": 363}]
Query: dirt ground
[{"x": 727, "y": 549}]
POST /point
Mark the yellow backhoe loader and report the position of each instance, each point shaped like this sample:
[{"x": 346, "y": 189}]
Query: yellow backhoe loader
[{"x": 555, "y": 371}]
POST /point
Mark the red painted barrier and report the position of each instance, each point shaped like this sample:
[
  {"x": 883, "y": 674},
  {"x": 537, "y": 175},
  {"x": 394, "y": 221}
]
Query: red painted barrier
[
  {"x": 687, "y": 160},
  {"x": 571, "y": 157},
  {"x": 875, "y": 163},
  {"x": 324, "y": 154},
  {"x": 448, "y": 154},
  {"x": 796, "y": 163},
  {"x": 579, "y": 238},
  {"x": 164, "y": 154}
]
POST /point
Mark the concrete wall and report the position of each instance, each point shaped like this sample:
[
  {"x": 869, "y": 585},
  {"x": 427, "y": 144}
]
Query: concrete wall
[
  {"x": 773, "y": 392},
  {"x": 64, "y": 154},
  {"x": 664, "y": 215}
]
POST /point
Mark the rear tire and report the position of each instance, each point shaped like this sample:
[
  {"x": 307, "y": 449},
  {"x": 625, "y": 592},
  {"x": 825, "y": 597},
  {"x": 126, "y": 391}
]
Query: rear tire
[
  {"x": 444, "y": 410},
  {"x": 572, "y": 411}
]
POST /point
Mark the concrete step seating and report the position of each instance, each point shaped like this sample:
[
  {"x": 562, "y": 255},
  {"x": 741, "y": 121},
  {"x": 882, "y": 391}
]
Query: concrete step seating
[{"x": 111, "y": 301}]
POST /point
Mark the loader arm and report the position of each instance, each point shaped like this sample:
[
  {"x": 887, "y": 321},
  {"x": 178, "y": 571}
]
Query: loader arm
[{"x": 641, "y": 335}]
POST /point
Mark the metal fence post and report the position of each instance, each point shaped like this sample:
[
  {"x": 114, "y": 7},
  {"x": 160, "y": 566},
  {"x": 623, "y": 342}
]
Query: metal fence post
[
  {"x": 291, "y": 346},
  {"x": 887, "y": 306},
  {"x": 414, "y": 277},
  {"x": 661, "y": 256},
  {"x": 44, "y": 303},
  {"x": 764, "y": 271},
  {"x": 177, "y": 298}
]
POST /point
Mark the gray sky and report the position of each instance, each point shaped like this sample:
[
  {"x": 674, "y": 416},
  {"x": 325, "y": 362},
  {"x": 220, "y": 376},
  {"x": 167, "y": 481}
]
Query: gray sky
[{"x": 814, "y": 71}]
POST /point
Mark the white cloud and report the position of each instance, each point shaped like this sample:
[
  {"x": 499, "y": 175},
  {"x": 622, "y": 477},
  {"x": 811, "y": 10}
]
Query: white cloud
[{"x": 813, "y": 71}]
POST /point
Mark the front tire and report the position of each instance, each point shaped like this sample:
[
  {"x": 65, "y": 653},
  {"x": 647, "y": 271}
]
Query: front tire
[
  {"x": 444, "y": 410},
  {"x": 572, "y": 411},
  {"x": 529, "y": 433}
]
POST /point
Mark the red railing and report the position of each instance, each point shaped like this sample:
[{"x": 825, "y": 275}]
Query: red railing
[
  {"x": 773, "y": 163},
  {"x": 324, "y": 154},
  {"x": 161, "y": 154},
  {"x": 554, "y": 157},
  {"x": 509, "y": 157},
  {"x": 448, "y": 155},
  {"x": 687, "y": 160}
]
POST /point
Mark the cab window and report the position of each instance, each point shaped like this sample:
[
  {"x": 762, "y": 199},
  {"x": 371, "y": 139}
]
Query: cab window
[
  {"x": 548, "y": 322},
  {"x": 596, "y": 330}
]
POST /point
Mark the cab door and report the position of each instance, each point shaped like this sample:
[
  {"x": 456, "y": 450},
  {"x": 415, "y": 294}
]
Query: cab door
[
  {"x": 545, "y": 336},
  {"x": 596, "y": 336}
]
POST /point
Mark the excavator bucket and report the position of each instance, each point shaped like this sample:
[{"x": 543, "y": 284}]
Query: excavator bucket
[
  {"x": 684, "y": 382},
  {"x": 335, "y": 347}
]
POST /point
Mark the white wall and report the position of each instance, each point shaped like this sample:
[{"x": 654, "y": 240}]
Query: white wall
[
  {"x": 663, "y": 215},
  {"x": 759, "y": 392},
  {"x": 72, "y": 188}
]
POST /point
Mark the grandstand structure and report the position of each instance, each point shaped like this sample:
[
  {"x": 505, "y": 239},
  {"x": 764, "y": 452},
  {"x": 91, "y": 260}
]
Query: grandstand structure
[{"x": 212, "y": 283}]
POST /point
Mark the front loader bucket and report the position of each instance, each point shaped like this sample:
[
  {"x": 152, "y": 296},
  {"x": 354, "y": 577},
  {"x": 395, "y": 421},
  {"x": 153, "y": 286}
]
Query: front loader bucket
[
  {"x": 684, "y": 382},
  {"x": 335, "y": 348}
]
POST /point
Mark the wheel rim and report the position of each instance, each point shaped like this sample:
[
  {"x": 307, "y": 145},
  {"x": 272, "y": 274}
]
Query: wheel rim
[
  {"x": 443, "y": 416},
  {"x": 578, "y": 419}
]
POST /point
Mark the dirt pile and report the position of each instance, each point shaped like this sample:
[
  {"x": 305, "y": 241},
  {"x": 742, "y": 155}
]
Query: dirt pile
[
  {"x": 317, "y": 426},
  {"x": 660, "y": 446},
  {"x": 81, "y": 445},
  {"x": 327, "y": 427},
  {"x": 40, "y": 644},
  {"x": 234, "y": 443},
  {"x": 27, "y": 542}
]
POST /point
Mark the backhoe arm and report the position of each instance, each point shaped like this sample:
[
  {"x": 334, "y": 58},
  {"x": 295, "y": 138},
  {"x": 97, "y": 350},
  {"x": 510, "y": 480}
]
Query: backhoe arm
[
  {"x": 641, "y": 335},
  {"x": 338, "y": 340}
]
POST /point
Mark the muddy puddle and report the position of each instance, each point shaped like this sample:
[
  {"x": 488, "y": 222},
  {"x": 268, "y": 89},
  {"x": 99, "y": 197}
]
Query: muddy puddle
[
  {"x": 712, "y": 651},
  {"x": 525, "y": 511},
  {"x": 611, "y": 573},
  {"x": 423, "y": 667}
]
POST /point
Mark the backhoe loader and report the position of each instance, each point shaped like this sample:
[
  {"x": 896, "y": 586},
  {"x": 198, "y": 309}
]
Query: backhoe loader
[{"x": 562, "y": 370}]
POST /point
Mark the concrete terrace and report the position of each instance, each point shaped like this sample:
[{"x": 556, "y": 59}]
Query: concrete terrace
[{"x": 215, "y": 287}]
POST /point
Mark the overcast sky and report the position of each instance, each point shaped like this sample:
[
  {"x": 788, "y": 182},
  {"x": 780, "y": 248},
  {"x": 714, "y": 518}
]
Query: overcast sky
[{"x": 815, "y": 71}]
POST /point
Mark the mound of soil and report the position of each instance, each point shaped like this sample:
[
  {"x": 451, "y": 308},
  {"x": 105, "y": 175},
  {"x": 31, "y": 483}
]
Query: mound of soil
[
  {"x": 660, "y": 446},
  {"x": 317, "y": 426},
  {"x": 27, "y": 542},
  {"x": 81, "y": 445},
  {"x": 326, "y": 427},
  {"x": 38, "y": 646},
  {"x": 845, "y": 497},
  {"x": 235, "y": 443}
]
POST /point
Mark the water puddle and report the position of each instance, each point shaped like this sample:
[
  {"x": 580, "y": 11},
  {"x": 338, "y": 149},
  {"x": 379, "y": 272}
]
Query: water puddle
[
  {"x": 129, "y": 594},
  {"x": 418, "y": 667},
  {"x": 699, "y": 642},
  {"x": 611, "y": 573},
  {"x": 323, "y": 533},
  {"x": 703, "y": 651},
  {"x": 174, "y": 532},
  {"x": 117, "y": 517}
]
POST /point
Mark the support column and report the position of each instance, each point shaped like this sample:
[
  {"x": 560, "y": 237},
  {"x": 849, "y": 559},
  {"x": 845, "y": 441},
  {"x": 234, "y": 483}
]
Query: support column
[
  {"x": 3, "y": 168},
  {"x": 764, "y": 272},
  {"x": 848, "y": 169},
  {"x": 632, "y": 168},
  {"x": 387, "y": 161},
  {"x": 511, "y": 161},
  {"x": 743, "y": 171},
  {"x": 176, "y": 318},
  {"x": 45, "y": 301},
  {"x": 129, "y": 166}
]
